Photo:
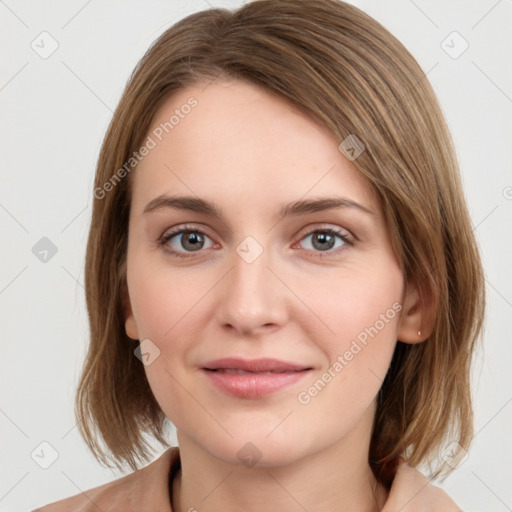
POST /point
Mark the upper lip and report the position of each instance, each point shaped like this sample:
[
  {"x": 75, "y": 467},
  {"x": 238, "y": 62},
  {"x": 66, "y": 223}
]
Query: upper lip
[{"x": 254, "y": 365}]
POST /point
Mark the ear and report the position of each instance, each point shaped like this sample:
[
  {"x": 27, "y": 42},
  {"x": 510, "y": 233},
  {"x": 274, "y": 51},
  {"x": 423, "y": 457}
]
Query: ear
[
  {"x": 129, "y": 325},
  {"x": 416, "y": 320}
]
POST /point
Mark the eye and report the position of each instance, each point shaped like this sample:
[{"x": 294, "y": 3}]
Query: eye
[
  {"x": 324, "y": 241},
  {"x": 189, "y": 238}
]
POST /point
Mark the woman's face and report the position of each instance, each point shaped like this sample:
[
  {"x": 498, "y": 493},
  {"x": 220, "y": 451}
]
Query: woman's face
[{"x": 321, "y": 307}]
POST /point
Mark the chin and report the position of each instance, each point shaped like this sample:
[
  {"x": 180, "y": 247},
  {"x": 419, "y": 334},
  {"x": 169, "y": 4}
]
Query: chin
[
  {"x": 251, "y": 448},
  {"x": 256, "y": 453}
]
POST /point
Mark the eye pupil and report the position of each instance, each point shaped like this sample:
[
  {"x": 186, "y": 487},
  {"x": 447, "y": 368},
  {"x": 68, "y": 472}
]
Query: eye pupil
[
  {"x": 194, "y": 238},
  {"x": 326, "y": 240}
]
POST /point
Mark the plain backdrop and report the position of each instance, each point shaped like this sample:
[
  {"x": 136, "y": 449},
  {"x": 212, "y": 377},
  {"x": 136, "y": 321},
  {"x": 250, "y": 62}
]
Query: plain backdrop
[{"x": 54, "y": 113}]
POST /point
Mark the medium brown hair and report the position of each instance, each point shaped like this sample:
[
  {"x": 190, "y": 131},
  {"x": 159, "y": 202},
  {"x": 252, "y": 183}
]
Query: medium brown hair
[{"x": 347, "y": 72}]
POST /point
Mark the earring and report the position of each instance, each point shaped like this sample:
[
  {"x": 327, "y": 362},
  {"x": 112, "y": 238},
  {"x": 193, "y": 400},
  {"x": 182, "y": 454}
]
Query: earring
[{"x": 419, "y": 333}]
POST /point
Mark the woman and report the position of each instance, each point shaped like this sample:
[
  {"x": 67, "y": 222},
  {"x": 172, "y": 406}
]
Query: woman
[{"x": 279, "y": 224}]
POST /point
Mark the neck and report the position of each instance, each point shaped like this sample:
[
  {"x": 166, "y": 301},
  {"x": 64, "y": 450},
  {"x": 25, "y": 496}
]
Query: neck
[{"x": 336, "y": 478}]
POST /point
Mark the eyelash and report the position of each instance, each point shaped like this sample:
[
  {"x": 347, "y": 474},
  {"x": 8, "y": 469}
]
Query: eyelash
[{"x": 192, "y": 229}]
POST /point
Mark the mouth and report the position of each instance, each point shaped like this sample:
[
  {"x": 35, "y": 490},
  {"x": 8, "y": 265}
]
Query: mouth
[
  {"x": 265, "y": 365},
  {"x": 253, "y": 378},
  {"x": 238, "y": 371}
]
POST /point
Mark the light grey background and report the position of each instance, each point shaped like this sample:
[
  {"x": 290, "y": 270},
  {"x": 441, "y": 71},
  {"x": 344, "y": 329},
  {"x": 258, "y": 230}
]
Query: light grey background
[{"x": 54, "y": 113}]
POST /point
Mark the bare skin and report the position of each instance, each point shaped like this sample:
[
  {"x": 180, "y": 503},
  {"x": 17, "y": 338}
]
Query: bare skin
[{"x": 297, "y": 301}]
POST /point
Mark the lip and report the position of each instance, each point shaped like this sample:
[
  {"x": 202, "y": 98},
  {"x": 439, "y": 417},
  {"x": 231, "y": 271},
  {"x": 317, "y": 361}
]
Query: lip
[{"x": 253, "y": 378}]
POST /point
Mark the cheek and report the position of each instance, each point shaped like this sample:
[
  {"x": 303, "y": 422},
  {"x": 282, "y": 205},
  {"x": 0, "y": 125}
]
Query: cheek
[
  {"x": 356, "y": 303},
  {"x": 162, "y": 300},
  {"x": 169, "y": 311},
  {"x": 358, "y": 356},
  {"x": 361, "y": 309},
  {"x": 368, "y": 313}
]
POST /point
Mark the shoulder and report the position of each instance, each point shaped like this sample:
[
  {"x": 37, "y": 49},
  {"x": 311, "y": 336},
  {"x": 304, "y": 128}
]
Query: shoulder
[
  {"x": 146, "y": 489},
  {"x": 411, "y": 491}
]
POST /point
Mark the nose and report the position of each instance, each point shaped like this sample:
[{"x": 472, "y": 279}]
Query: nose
[{"x": 252, "y": 298}]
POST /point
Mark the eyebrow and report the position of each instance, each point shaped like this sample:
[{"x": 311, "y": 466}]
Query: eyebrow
[{"x": 295, "y": 208}]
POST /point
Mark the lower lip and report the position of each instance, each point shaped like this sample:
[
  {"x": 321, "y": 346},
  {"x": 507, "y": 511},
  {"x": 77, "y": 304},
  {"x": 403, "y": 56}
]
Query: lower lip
[{"x": 254, "y": 385}]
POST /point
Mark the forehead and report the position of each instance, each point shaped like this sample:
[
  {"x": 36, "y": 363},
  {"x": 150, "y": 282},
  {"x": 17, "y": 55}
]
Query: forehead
[{"x": 244, "y": 145}]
